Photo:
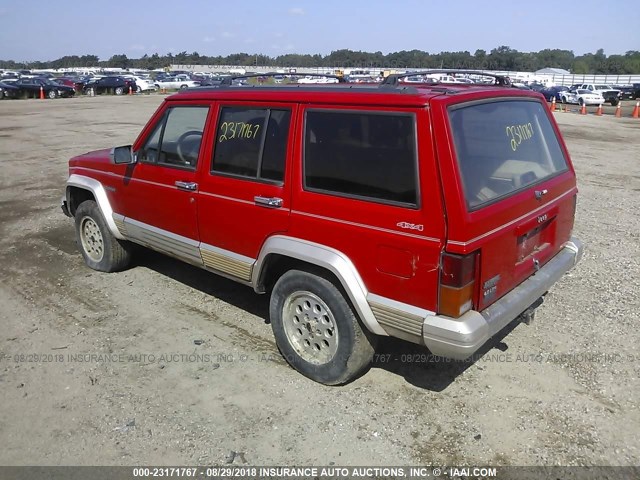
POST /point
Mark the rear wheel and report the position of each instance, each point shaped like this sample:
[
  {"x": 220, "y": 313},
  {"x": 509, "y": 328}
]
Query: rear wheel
[
  {"x": 100, "y": 249},
  {"x": 614, "y": 102},
  {"x": 52, "y": 94},
  {"x": 581, "y": 102},
  {"x": 316, "y": 329},
  {"x": 119, "y": 90}
]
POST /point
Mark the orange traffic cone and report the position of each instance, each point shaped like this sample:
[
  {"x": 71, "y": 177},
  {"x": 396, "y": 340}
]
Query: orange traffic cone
[
  {"x": 583, "y": 109},
  {"x": 41, "y": 92},
  {"x": 566, "y": 108},
  {"x": 130, "y": 91},
  {"x": 619, "y": 111},
  {"x": 636, "y": 110},
  {"x": 599, "y": 111},
  {"x": 553, "y": 104}
]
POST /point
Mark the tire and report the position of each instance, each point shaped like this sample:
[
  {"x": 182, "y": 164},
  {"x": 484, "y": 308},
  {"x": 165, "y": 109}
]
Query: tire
[
  {"x": 614, "y": 102},
  {"x": 316, "y": 329},
  {"x": 100, "y": 249},
  {"x": 139, "y": 89},
  {"x": 52, "y": 94},
  {"x": 182, "y": 87},
  {"x": 580, "y": 101},
  {"x": 118, "y": 90}
]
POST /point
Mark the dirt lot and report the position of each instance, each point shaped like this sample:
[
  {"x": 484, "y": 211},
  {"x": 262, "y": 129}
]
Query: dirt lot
[{"x": 167, "y": 364}]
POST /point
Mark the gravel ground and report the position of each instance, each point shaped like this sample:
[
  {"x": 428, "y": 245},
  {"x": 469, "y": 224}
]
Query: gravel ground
[{"x": 167, "y": 364}]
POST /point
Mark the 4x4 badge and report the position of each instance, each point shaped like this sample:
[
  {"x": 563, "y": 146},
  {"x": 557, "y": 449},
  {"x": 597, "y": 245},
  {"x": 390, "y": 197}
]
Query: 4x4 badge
[{"x": 410, "y": 226}]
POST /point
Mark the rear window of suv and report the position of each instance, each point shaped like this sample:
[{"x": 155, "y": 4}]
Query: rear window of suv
[{"x": 503, "y": 147}]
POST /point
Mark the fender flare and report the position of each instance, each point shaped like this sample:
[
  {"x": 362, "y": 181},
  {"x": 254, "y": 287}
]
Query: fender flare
[
  {"x": 328, "y": 258},
  {"x": 99, "y": 193}
]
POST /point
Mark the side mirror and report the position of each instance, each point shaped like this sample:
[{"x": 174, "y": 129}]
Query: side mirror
[{"x": 123, "y": 155}]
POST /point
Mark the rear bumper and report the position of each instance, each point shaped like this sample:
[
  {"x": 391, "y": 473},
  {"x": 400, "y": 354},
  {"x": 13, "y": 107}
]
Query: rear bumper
[{"x": 461, "y": 337}]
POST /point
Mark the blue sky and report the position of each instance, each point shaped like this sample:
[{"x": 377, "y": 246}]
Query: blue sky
[{"x": 45, "y": 30}]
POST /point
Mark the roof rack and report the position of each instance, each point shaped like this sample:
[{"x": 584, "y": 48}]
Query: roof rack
[
  {"x": 394, "y": 79},
  {"x": 230, "y": 80}
]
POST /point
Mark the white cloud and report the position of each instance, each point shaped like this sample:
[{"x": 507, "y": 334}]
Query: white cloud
[
  {"x": 296, "y": 11},
  {"x": 209, "y": 39},
  {"x": 137, "y": 48},
  {"x": 227, "y": 35}
]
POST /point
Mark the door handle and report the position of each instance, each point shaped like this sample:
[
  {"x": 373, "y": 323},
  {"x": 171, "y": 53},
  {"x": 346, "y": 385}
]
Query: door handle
[
  {"x": 271, "y": 202},
  {"x": 188, "y": 186}
]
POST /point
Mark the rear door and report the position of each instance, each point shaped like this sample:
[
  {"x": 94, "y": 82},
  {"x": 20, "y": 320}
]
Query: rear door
[
  {"x": 510, "y": 189},
  {"x": 244, "y": 195}
]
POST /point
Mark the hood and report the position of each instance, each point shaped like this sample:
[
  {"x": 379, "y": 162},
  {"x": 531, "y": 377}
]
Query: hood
[{"x": 97, "y": 157}]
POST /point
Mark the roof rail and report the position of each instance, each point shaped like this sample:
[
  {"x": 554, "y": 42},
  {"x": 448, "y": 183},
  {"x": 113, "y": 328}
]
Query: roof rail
[
  {"x": 229, "y": 80},
  {"x": 394, "y": 79}
]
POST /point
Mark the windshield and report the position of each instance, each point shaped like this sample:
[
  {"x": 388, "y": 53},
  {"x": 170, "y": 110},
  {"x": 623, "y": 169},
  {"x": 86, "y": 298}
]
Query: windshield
[{"x": 502, "y": 147}]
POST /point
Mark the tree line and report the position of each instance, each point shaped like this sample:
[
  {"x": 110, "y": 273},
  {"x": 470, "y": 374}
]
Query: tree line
[{"x": 500, "y": 58}]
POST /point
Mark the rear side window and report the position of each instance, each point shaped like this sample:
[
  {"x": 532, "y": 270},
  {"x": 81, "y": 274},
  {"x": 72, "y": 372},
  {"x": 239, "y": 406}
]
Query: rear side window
[
  {"x": 252, "y": 142},
  {"x": 361, "y": 154},
  {"x": 503, "y": 147}
]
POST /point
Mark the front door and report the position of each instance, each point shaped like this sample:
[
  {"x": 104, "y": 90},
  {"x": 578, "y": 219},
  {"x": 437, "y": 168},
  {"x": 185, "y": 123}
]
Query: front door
[{"x": 161, "y": 193}]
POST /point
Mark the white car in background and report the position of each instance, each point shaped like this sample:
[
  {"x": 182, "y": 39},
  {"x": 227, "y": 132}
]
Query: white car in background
[
  {"x": 582, "y": 96},
  {"x": 176, "y": 82},
  {"x": 311, "y": 79},
  {"x": 144, "y": 84}
]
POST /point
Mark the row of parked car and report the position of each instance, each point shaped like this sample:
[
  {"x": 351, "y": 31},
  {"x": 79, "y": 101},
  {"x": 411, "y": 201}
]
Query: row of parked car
[
  {"x": 65, "y": 87},
  {"x": 591, "y": 94},
  {"x": 68, "y": 86}
]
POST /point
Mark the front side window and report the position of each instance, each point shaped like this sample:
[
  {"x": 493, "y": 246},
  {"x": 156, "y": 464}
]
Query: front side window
[
  {"x": 175, "y": 141},
  {"x": 503, "y": 147},
  {"x": 252, "y": 142},
  {"x": 366, "y": 155}
]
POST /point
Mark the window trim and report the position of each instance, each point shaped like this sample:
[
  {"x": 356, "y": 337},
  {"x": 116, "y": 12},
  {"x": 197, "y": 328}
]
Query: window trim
[
  {"x": 416, "y": 158},
  {"x": 257, "y": 178}
]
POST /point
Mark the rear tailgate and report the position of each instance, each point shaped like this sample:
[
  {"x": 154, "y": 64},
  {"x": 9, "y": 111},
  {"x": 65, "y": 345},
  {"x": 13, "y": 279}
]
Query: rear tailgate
[{"x": 511, "y": 191}]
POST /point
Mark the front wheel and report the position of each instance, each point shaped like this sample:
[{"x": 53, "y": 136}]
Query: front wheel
[
  {"x": 614, "y": 102},
  {"x": 316, "y": 329},
  {"x": 52, "y": 94},
  {"x": 100, "y": 249},
  {"x": 581, "y": 102}
]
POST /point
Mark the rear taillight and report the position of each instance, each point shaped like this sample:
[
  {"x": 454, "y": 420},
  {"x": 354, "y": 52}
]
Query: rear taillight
[{"x": 457, "y": 284}]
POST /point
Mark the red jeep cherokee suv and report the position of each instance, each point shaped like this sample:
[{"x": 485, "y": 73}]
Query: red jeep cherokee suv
[{"x": 435, "y": 213}]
